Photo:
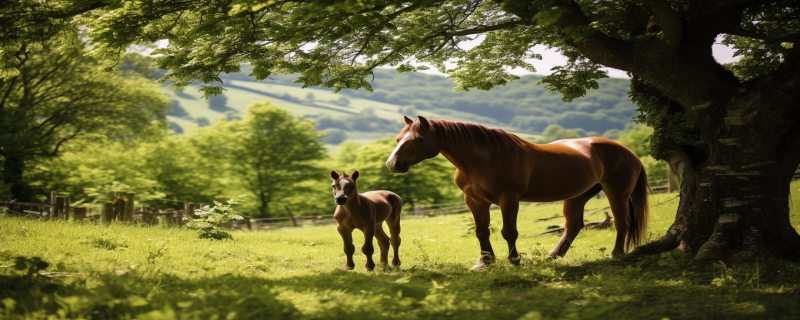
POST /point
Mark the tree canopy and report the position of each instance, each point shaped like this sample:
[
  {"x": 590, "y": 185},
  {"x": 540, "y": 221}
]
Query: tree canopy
[
  {"x": 57, "y": 96},
  {"x": 269, "y": 154}
]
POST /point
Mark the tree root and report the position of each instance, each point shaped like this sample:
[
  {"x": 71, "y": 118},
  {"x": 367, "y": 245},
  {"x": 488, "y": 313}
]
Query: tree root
[{"x": 668, "y": 242}]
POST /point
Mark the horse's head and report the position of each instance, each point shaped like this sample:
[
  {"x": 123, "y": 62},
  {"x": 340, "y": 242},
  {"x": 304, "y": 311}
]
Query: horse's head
[
  {"x": 344, "y": 186},
  {"x": 414, "y": 144}
]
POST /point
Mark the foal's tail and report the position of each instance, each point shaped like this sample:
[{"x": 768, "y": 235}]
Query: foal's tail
[{"x": 638, "y": 211}]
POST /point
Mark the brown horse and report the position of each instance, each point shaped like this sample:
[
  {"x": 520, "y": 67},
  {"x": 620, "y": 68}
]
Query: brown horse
[
  {"x": 496, "y": 167},
  {"x": 366, "y": 212}
]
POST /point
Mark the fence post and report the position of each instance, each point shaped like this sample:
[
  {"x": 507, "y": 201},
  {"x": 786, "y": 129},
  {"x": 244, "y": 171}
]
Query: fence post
[
  {"x": 66, "y": 208},
  {"x": 190, "y": 208},
  {"x": 168, "y": 218},
  {"x": 52, "y": 204},
  {"x": 294, "y": 222},
  {"x": 80, "y": 214},
  {"x": 107, "y": 213},
  {"x": 129, "y": 206},
  {"x": 249, "y": 226},
  {"x": 119, "y": 209},
  {"x": 58, "y": 208}
]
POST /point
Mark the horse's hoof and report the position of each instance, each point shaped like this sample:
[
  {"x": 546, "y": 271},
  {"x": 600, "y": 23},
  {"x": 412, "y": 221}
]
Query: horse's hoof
[
  {"x": 515, "y": 261},
  {"x": 370, "y": 267},
  {"x": 396, "y": 263},
  {"x": 349, "y": 267},
  {"x": 480, "y": 266}
]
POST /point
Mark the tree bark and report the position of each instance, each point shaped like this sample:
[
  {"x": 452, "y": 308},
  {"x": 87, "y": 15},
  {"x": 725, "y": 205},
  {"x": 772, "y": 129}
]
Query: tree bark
[{"x": 734, "y": 204}]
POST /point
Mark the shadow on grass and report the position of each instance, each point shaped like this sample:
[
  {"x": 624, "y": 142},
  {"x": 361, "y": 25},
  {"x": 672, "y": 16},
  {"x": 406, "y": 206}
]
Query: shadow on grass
[{"x": 646, "y": 287}]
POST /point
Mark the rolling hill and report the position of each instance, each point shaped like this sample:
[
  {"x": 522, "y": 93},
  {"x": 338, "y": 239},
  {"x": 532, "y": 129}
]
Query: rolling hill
[{"x": 521, "y": 107}]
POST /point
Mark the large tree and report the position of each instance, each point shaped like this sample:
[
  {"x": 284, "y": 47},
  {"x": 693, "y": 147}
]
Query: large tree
[
  {"x": 270, "y": 155},
  {"x": 56, "y": 95},
  {"x": 730, "y": 132}
]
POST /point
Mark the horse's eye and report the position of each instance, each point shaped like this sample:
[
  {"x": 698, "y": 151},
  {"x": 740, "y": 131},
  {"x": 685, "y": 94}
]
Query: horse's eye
[{"x": 419, "y": 139}]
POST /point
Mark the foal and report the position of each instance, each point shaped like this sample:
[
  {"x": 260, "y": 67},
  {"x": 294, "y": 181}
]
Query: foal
[{"x": 366, "y": 212}]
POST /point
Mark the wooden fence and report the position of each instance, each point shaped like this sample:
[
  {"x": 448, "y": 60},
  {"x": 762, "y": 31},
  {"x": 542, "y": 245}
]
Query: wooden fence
[{"x": 119, "y": 206}]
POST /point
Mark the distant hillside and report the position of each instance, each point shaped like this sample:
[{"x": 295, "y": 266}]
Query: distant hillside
[{"x": 520, "y": 107}]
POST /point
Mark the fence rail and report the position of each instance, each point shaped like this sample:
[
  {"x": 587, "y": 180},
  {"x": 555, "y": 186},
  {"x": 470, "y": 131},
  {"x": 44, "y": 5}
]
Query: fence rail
[{"x": 119, "y": 206}]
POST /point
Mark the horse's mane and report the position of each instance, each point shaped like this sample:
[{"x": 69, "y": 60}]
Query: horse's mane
[{"x": 464, "y": 134}]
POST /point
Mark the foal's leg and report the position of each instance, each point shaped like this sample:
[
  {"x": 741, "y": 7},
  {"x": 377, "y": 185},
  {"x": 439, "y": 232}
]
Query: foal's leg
[
  {"x": 480, "y": 213},
  {"x": 368, "y": 249},
  {"x": 509, "y": 207},
  {"x": 573, "y": 212},
  {"x": 349, "y": 248},
  {"x": 383, "y": 243},
  {"x": 394, "y": 229}
]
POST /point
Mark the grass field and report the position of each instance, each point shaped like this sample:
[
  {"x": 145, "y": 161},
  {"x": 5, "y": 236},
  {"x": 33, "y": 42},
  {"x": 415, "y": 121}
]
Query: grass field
[{"x": 133, "y": 272}]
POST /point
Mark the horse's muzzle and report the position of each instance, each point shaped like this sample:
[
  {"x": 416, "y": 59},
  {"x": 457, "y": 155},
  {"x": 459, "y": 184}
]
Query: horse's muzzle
[
  {"x": 341, "y": 200},
  {"x": 400, "y": 167}
]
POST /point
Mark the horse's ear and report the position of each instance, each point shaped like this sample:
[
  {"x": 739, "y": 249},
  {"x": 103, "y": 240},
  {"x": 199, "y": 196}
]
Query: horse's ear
[
  {"x": 354, "y": 175},
  {"x": 423, "y": 123},
  {"x": 334, "y": 175},
  {"x": 408, "y": 120}
]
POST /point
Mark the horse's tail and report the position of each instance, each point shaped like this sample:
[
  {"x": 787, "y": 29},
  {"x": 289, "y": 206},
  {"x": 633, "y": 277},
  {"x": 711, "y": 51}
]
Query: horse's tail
[{"x": 638, "y": 211}]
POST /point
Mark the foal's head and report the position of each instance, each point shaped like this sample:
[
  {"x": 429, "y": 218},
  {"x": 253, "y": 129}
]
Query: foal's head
[
  {"x": 344, "y": 186},
  {"x": 414, "y": 144}
]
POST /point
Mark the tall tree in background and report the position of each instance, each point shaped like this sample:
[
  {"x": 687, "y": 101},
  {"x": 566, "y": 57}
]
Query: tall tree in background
[
  {"x": 269, "y": 154},
  {"x": 59, "y": 95},
  {"x": 731, "y": 133}
]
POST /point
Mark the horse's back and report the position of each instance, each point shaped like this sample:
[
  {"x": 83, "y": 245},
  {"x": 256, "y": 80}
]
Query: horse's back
[
  {"x": 384, "y": 201},
  {"x": 567, "y": 168}
]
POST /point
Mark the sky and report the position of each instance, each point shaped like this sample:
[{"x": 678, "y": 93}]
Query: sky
[{"x": 552, "y": 58}]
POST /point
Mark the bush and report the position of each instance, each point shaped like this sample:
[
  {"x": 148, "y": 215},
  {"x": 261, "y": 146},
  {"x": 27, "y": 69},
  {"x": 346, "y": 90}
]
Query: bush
[{"x": 207, "y": 225}]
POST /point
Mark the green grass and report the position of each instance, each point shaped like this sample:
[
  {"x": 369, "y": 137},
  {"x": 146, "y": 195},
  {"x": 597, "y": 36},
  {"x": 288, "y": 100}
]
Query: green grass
[{"x": 124, "y": 271}]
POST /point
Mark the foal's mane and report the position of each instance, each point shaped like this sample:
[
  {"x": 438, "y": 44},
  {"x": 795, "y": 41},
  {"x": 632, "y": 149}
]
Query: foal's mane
[{"x": 464, "y": 134}]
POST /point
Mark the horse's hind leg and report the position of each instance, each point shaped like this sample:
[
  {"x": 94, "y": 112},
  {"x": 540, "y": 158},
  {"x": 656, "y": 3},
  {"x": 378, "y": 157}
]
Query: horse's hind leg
[
  {"x": 573, "y": 212},
  {"x": 621, "y": 210},
  {"x": 394, "y": 230},
  {"x": 383, "y": 243}
]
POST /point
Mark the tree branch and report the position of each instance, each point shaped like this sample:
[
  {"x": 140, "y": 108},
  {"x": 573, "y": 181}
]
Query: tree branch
[
  {"x": 482, "y": 29},
  {"x": 668, "y": 20}
]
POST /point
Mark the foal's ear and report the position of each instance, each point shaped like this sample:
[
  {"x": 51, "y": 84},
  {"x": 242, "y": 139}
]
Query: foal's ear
[
  {"x": 423, "y": 123},
  {"x": 334, "y": 175},
  {"x": 354, "y": 175},
  {"x": 408, "y": 120}
]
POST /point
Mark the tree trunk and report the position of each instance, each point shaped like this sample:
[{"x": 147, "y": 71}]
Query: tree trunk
[
  {"x": 734, "y": 204},
  {"x": 264, "y": 209},
  {"x": 13, "y": 168}
]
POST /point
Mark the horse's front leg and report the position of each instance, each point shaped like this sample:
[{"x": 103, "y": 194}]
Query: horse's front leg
[
  {"x": 509, "y": 207},
  {"x": 368, "y": 249},
  {"x": 480, "y": 214},
  {"x": 349, "y": 248}
]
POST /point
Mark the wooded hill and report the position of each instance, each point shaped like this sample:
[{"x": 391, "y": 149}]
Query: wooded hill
[{"x": 521, "y": 107}]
